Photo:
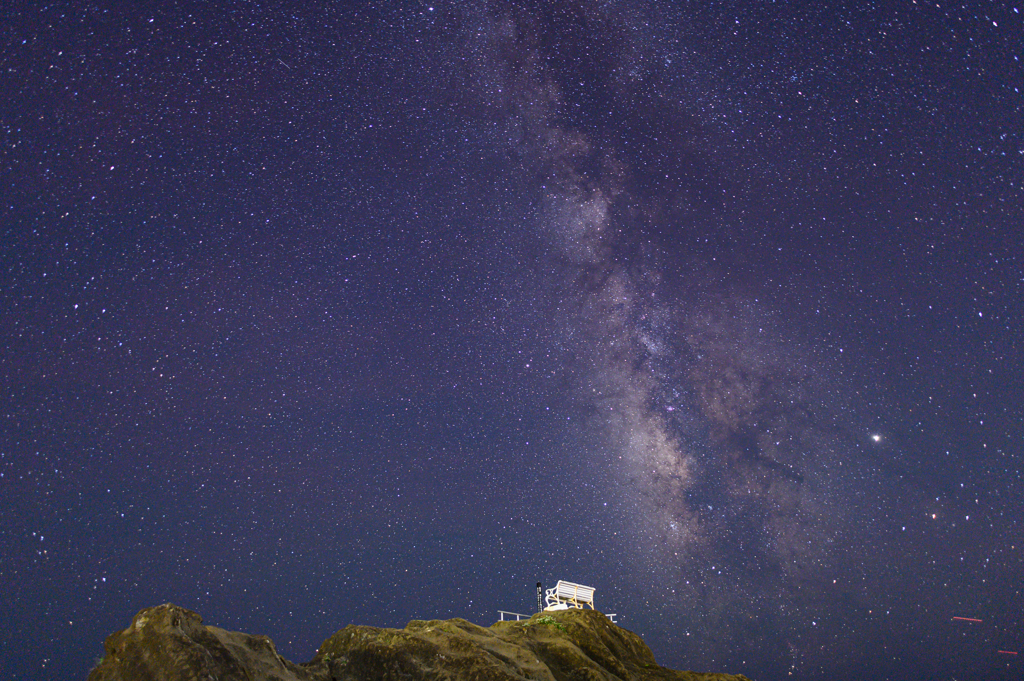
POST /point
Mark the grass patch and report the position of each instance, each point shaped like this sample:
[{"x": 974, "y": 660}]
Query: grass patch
[{"x": 546, "y": 620}]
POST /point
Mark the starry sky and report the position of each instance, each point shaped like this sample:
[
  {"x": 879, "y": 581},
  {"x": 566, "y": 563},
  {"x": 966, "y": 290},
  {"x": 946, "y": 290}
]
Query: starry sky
[{"x": 346, "y": 312}]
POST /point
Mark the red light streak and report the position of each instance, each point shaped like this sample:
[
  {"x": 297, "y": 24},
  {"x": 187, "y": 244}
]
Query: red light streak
[{"x": 967, "y": 619}]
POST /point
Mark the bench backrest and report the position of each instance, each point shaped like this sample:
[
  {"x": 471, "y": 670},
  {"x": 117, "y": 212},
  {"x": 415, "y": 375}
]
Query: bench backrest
[{"x": 574, "y": 593}]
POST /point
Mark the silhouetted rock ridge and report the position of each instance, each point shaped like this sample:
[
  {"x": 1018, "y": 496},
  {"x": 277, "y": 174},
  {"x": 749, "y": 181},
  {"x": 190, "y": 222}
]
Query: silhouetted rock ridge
[{"x": 168, "y": 643}]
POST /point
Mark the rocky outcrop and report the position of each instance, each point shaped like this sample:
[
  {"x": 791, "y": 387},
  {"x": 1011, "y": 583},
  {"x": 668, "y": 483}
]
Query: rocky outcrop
[{"x": 168, "y": 643}]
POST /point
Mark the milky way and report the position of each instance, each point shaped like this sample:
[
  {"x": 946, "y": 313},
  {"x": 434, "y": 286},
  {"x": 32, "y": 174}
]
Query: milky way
[{"x": 738, "y": 445}]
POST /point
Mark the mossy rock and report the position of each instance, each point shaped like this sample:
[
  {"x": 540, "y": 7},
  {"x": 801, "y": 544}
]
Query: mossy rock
[{"x": 168, "y": 643}]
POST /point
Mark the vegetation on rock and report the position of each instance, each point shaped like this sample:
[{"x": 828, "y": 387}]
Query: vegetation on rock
[{"x": 168, "y": 643}]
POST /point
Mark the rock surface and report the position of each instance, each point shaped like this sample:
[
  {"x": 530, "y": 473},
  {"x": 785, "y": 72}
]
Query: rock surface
[{"x": 168, "y": 643}]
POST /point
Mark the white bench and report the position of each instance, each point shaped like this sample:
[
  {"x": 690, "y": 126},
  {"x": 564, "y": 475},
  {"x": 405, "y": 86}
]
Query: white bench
[{"x": 566, "y": 595}]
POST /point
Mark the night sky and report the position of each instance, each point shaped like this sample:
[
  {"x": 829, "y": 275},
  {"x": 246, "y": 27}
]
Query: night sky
[{"x": 336, "y": 312}]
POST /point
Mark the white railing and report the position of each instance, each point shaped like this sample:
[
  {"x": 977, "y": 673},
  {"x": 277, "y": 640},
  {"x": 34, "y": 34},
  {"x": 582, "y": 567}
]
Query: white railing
[
  {"x": 520, "y": 616},
  {"x": 517, "y": 615}
]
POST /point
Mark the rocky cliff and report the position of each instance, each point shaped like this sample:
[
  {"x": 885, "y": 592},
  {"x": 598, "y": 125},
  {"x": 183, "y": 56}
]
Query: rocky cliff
[{"x": 168, "y": 643}]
